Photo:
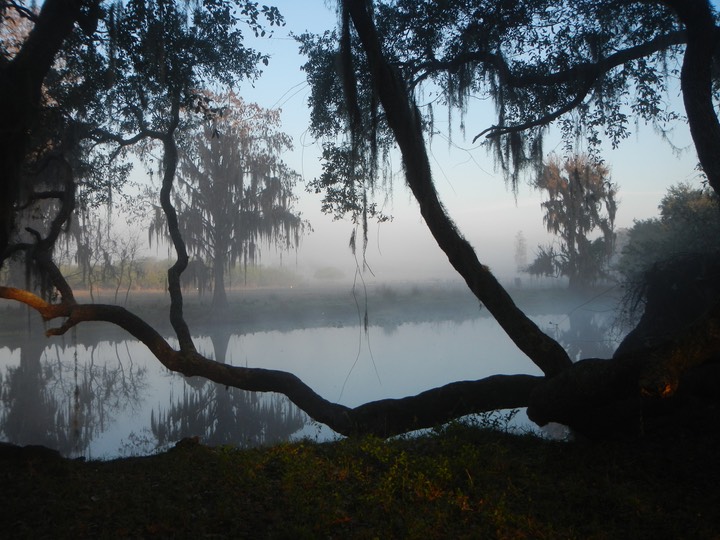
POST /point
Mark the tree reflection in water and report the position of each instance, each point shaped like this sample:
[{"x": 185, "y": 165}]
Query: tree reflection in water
[
  {"x": 589, "y": 334},
  {"x": 63, "y": 397},
  {"x": 221, "y": 415}
]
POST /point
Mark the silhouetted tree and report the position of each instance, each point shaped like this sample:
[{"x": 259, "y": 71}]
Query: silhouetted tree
[
  {"x": 660, "y": 252},
  {"x": 234, "y": 191},
  {"x": 689, "y": 223}
]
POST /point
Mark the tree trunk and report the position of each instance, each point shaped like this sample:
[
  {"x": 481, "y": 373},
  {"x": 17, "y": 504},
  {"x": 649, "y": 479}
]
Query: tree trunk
[
  {"x": 20, "y": 91},
  {"x": 219, "y": 301},
  {"x": 403, "y": 119},
  {"x": 696, "y": 81}
]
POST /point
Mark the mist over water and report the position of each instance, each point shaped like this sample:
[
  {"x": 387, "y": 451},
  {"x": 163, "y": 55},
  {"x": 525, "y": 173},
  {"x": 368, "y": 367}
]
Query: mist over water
[{"x": 419, "y": 337}]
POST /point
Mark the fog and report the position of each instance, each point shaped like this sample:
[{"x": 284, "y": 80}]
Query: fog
[
  {"x": 420, "y": 335},
  {"x": 425, "y": 328},
  {"x": 487, "y": 211}
]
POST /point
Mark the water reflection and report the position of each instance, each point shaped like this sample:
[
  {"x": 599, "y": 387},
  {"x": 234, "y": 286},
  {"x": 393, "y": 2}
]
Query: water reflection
[
  {"x": 221, "y": 415},
  {"x": 63, "y": 397},
  {"x": 584, "y": 333},
  {"x": 117, "y": 399}
]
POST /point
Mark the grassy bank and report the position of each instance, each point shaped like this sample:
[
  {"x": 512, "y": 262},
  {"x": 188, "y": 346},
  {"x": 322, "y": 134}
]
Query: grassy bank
[{"x": 460, "y": 482}]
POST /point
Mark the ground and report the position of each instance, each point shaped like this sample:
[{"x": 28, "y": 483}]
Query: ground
[{"x": 461, "y": 481}]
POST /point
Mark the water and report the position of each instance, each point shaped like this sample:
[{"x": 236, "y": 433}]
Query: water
[{"x": 129, "y": 404}]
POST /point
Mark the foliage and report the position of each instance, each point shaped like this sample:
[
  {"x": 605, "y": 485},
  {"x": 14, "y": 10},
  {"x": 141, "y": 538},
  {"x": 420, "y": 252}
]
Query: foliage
[
  {"x": 689, "y": 223},
  {"x": 464, "y": 483},
  {"x": 344, "y": 183},
  {"x": 536, "y": 61},
  {"x": 111, "y": 90},
  {"x": 587, "y": 67},
  {"x": 581, "y": 199}
]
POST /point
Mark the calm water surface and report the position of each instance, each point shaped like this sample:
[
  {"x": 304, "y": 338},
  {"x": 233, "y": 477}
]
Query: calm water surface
[{"x": 126, "y": 403}]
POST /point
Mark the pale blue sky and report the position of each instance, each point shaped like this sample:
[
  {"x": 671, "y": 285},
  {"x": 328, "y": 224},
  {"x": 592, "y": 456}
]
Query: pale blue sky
[{"x": 470, "y": 187}]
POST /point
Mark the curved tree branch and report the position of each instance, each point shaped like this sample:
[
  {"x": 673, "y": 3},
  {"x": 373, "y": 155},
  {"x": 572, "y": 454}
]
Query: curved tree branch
[
  {"x": 652, "y": 372},
  {"x": 383, "y": 418},
  {"x": 497, "y": 131},
  {"x": 403, "y": 119},
  {"x": 586, "y": 75},
  {"x": 170, "y": 161},
  {"x": 696, "y": 81}
]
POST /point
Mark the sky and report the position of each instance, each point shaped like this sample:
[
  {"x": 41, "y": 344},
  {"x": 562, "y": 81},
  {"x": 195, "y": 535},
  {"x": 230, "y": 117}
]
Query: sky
[{"x": 473, "y": 191}]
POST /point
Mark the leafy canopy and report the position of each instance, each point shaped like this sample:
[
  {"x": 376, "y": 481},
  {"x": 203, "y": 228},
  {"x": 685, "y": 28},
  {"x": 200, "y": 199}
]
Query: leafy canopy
[{"x": 590, "y": 68}]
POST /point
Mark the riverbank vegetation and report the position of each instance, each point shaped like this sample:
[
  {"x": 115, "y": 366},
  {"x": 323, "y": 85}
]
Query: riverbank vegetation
[{"x": 461, "y": 481}]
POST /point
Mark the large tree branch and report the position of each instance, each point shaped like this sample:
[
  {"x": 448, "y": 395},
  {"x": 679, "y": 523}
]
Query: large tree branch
[
  {"x": 696, "y": 81},
  {"x": 580, "y": 73},
  {"x": 384, "y": 418},
  {"x": 654, "y": 372},
  {"x": 584, "y": 75},
  {"x": 403, "y": 119}
]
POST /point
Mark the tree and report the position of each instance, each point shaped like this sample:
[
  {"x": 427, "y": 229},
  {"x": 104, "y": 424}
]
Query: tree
[
  {"x": 688, "y": 227},
  {"x": 557, "y": 83},
  {"x": 689, "y": 223},
  {"x": 234, "y": 192},
  {"x": 541, "y": 62},
  {"x": 581, "y": 199}
]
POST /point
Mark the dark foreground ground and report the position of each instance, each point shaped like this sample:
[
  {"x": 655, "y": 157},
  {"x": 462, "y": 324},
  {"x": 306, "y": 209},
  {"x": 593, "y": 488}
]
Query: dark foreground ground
[{"x": 459, "y": 482}]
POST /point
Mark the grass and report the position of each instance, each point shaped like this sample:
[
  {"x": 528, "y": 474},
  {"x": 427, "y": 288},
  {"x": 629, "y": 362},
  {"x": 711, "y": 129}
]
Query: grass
[{"x": 461, "y": 481}]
